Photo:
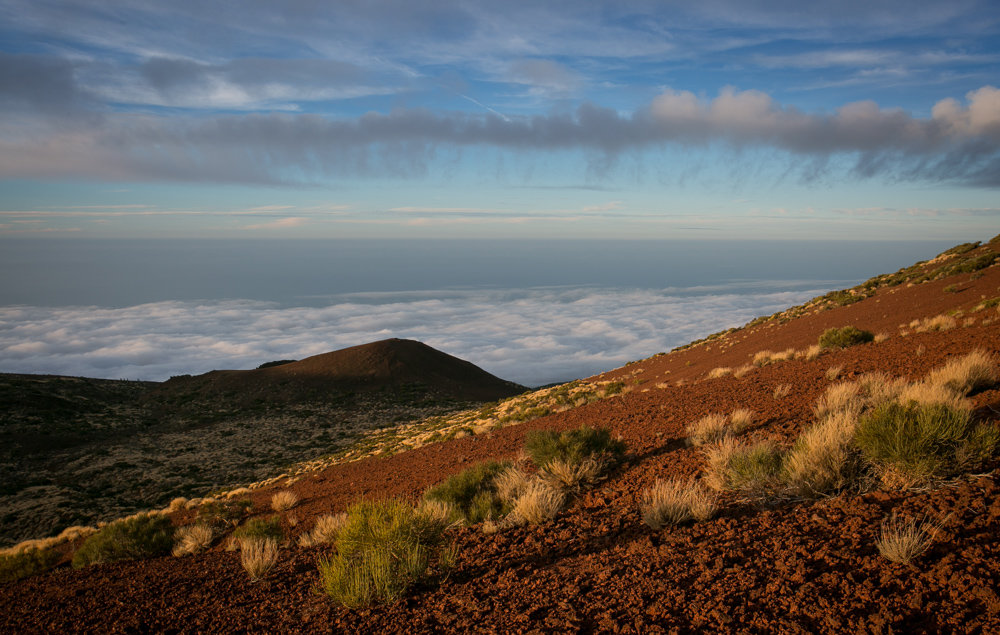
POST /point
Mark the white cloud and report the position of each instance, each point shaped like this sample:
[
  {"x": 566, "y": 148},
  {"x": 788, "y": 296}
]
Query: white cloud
[
  {"x": 532, "y": 337},
  {"x": 281, "y": 223}
]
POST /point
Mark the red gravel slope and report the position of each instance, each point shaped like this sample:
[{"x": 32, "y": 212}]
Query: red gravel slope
[{"x": 793, "y": 566}]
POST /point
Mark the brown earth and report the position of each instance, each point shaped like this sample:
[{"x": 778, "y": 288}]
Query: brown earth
[
  {"x": 392, "y": 363},
  {"x": 788, "y": 566}
]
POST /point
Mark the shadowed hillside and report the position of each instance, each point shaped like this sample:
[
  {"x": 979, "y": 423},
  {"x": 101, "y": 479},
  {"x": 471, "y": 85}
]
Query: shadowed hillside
[{"x": 76, "y": 450}]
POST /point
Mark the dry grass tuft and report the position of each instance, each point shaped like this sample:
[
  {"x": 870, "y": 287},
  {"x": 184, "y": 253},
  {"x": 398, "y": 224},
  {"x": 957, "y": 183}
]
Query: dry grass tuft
[
  {"x": 782, "y": 390},
  {"x": 742, "y": 370},
  {"x": 812, "y": 352},
  {"x": 740, "y": 419},
  {"x": 833, "y": 372},
  {"x": 561, "y": 473},
  {"x": 971, "y": 372},
  {"x": 284, "y": 500},
  {"x": 716, "y": 373},
  {"x": 824, "y": 459},
  {"x": 881, "y": 337},
  {"x": 511, "y": 483},
  {"x": 438, "y": 513},
  {"x": 192, "y": 539},
  {"x": 842, "y": 397},
  {"x": 258, "y": 556},
  {"x": 177, "y": 504},
  {"x": 926, "y": 393},
  {"x": 675, "y": 502},
  {"x": 538, "y": 503},
  {"x": 709, "y": 428},
  {"x": 903, "y": 540},
  {"x": 324, "y": 532},
  {"x": 762, "y": 358},
  {"x": 936, "y": 323}
]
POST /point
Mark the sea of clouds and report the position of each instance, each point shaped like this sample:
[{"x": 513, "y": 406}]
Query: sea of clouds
[{"x": 531, "y": 336}]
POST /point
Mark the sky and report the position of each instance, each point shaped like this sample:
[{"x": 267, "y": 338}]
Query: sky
[{"x": 385, "y": 119}]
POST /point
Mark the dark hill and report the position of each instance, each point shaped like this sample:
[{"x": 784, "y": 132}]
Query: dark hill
[{"x": 394, "y": 365}]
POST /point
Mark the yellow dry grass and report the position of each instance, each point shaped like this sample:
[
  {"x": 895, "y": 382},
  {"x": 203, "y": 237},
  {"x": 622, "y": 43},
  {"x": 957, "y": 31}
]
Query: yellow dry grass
[
  {"x": 258, "y": 556},
  {"x": 823, "y": 459},
  {"x": 284, "y": 500},
  {"x": 975, "y": 370},
  {"x": 936, "y": 323},
  {"x": 538, "y": 503},
  {"x": 324, "y": 532},
  {"x": 192, "y": 539},
  {"x": 570, "y": 475},
  {"x": 709, "y": 428},
  {"x": 674, "y": 502},
  {"x": 903, "y": 540}
]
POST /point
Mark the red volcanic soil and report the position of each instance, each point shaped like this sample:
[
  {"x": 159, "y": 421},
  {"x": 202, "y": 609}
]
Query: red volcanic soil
[
  {"x": 390, "y": 363},
  {"x": 789, "y": 566}
]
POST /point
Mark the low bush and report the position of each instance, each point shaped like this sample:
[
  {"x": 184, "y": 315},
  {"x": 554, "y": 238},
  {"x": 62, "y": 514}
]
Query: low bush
[
  {"x": 674, "y": 502},
  {"x": 751, "y": 468},
  {"x": 916, "y": 443},
  {"x": 139, "y": 536},
  {"x": 573, "y": 446},
  {"x": 382, "y": 549},
  {"x": 29, "y": 562},
  {"x": 473, "y": 492},
  {"x": 844, "y": 337},
  {"x": 222, "y": 516},
  {"x": 257, "y": 528}
]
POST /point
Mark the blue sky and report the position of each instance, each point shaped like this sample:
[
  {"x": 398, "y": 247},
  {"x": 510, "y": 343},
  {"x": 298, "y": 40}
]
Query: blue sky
[{"x": 709, "y": 119}]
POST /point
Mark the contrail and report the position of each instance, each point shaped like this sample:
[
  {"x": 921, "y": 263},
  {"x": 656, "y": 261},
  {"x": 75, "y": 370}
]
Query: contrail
[{"x": 482, "y": 105}]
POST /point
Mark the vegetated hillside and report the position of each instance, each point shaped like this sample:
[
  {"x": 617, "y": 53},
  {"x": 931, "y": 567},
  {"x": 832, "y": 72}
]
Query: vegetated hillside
[
  {"x": 773, "y": 557},
  {"x": 76, "y": 450}
]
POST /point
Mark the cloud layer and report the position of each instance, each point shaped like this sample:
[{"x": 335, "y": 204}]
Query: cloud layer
[
  {"x": 531, "y": 337},
  {"x": 959, "y": 142}
]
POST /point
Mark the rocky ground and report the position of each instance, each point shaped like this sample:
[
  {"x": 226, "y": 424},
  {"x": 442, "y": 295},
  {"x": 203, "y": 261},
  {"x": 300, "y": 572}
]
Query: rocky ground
[{"x": 781, "y": 565}]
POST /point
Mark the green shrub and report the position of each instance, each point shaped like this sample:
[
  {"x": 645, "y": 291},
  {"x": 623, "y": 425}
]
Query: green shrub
[
  {"x": 972, "y": 264},
  {"x": 916, "y": 443},
  {"x": 383, "y": 548},
  {"x": 473, "y": 492},
  {"x": 844, "y": 337},
  {"x": 958, "y": 250},
  {"x": 27, "y": 563},
  {"x": 572, "y": 446},
  {"x": 222, "y": 516},
  {"x": 140, "y": 536},
  {"x": 754, "y": 469},
  {"x": 260, "y": 528}
]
